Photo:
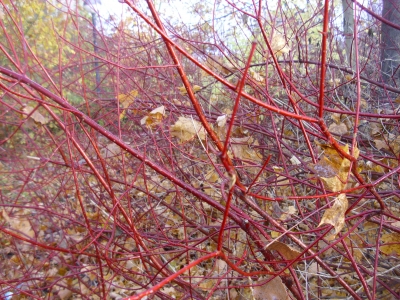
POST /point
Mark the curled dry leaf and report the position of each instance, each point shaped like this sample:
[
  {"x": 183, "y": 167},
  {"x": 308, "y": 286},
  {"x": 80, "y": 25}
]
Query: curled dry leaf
[
  {"x": 186, "y": 129},
  {"x": 183, "y": 91},
  {"x": 36, "y": 115},
  {"x": 272, "y": 290},
  {"x": 221, "y": 121},
  {"x": 286, "y": 251},
  {"x": 154, "y": 117},
  {"x": 335, "y": 215}
]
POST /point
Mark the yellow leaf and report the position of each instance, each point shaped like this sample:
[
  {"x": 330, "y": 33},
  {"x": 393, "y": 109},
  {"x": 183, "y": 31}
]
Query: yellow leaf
[
  {"x": 274, "y": 234},
  {"x": 183, "y": 91},
  {"x": 186, "y": 129},
  {"x": 125, "y": 100},
  {"x": 393, "y": 241},
  {"x": 336, "y": 117},
  {"x": 154, "y": 117},
  {"x": 196, "y": 88},
  {"x": 333, "y": 168},
  {"x": 335, "y": 215}
]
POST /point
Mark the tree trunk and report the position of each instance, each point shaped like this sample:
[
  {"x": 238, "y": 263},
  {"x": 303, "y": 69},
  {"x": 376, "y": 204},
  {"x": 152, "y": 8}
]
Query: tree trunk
[
  {"x": 348, "y": 31},
  {"x": 390, "y": 42}
]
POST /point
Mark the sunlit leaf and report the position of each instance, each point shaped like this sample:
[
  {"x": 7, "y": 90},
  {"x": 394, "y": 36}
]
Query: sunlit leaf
[
  {"x": 335, "y": 215},
  {"x": 393, "y": 244},
  {"x": 333, "y": 169},
  {"x": 186, "y": 129},
  {"x": 279, "y": 45},
  {"x": 125, "y": 100},
  {"x": 154, "y": 117}
]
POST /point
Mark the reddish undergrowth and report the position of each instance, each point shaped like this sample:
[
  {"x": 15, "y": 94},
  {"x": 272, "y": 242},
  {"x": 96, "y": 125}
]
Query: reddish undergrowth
[{"x": 150, "y": 161}]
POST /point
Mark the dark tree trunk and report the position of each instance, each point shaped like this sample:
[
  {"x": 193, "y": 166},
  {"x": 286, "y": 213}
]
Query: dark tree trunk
[{"x": 390, "y": 42}]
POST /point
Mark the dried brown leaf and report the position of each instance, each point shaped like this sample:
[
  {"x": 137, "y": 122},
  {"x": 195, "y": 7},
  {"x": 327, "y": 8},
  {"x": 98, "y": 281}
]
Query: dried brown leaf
[
  {"x": 381, "y": 144},
  {"x": 286, "y": 251},
  {"x": 339, "y": 129},
  {"x": 272, "y": 290},
  {"x": 241, "y": 149},
  {"x": 36, "y": 115}
]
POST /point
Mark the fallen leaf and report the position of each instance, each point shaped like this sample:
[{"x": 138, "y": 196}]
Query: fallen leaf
[
  {"x": 339, "y": 129},
  {"x": 221, "y": 121},
  {"x": 241, "y": 149},
  {"x": 335, "y": 215},
  {"x": 257, "y": 77},
  {"x": 64, "y": 294},
  {"x": 186, "y": 129},
  {"x": 221, "y": 266},
  {"x": 272, "y": 290},
  {"x": 295, "y": 161},
  {"x": 395, "y": 145},
  {"x": 36, "y": 115},
  {"x": 22, "y": 225},
  {"x": 381, "y": 144},
  {"x": 393, "y": 239},
  {"x": 286, "y": 213},
  {"x": 286, "y": 251}
]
